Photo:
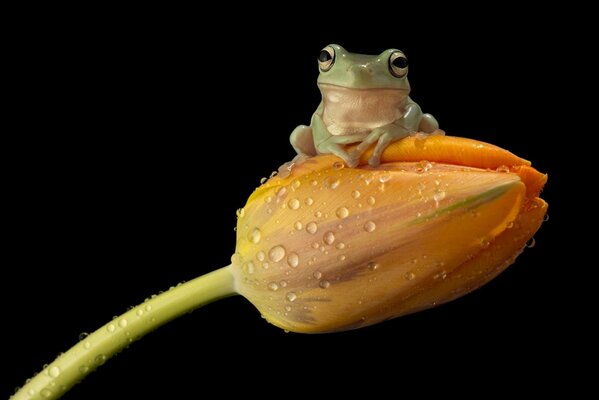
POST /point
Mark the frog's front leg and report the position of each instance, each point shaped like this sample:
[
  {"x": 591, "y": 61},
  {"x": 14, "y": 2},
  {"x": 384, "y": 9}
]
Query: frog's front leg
[{"x": 384, "y": 135}]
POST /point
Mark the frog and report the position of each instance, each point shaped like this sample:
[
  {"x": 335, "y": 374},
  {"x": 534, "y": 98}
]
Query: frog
[{"x": 365, "y": 100}]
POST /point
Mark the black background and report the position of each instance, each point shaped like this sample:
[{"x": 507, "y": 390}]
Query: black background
[{"x": 115, "y": 195}]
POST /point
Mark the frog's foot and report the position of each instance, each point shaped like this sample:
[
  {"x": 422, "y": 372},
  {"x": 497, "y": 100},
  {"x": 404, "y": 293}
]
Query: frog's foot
[
  {"x": 428, "y": 124},
  {"x": 302, "y": 141},
  {"x": 382, "y": 136}
]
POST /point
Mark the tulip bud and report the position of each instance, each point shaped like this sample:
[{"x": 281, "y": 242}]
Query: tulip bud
[{"x": 330, "y": 248}]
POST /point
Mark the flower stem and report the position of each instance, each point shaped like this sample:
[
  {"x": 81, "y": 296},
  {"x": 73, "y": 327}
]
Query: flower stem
[{"x": 91, "y": 352}]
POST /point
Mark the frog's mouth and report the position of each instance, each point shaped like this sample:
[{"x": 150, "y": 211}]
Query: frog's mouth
[{"x": 332, "y": 87}]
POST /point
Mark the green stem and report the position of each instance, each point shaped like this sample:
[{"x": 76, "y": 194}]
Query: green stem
[{"x": 72, "y": 366}]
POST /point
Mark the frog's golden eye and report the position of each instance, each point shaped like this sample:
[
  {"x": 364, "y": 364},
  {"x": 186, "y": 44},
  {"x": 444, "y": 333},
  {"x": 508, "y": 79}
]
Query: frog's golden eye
[
  {"x": 398, "y": 64},
  {"x": 326, "y": 58}
]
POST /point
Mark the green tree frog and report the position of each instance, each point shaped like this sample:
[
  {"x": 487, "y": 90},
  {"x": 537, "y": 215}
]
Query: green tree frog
[{"x": 365, "y": 99}]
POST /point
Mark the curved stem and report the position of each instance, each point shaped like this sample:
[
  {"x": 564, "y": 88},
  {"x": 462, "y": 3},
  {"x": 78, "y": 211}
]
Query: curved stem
[{"x": 72, "y": 366}]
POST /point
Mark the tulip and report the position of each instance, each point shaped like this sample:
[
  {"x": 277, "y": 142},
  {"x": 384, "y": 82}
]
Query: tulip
[{"x": 323, "y": 248}]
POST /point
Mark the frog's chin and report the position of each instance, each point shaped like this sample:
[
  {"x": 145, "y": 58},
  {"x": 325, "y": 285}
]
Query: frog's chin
[{"x": 331, "y": 86}]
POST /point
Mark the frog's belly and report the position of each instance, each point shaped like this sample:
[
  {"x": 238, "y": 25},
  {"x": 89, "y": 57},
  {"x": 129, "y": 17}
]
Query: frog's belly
[{"x": 350, "y": 111}]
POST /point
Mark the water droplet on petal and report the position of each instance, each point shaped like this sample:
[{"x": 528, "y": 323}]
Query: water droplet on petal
[
  {"x": 46, "y": 393},
  {"x": 410, "y": 275},
  {"x": 260, "y": 255},
  {"x": 293, "y": 204},
  {"x": 324, "y": 284},
  {"x": 87, "y": 345},
  {"x": 84, "y": 369},
  {"x": 338, "y": 165},
  {"x": 311, "y": 228},
  {"x": 110, "y": 328},
  {"x": 384, "y": 178},
  {"x": 293, "y": 260},
  {"x": 282, "y": 191},
  {"x": 369, "y": 226},
  {"x": 342, "y": 212},
  {"x": 298, "y": 226},
  {"x": 250, "y": 267},
  {"x": 255, "y": 235},
  {"x": 373, "y": 266},
  {"x": 291, "y": 296},
  {"x": 332, "y": 183},
  {"x": 340, "y": 246},
  {"x": 277, "y": 253},
  {"x": 123, "y": 323},
  {"x": 355, "y": 194},
  {"x": 296, "y": 184},
  {"x": 83, "y": 335},
  {"x": 371, "y": 200},
  {"x": 546, "y": 218},
  {"x": 329, "y": 238},
  {"x": 503, "y": 168},
  {"x": 531, "y": 243},
  {"x": 273, "y": 286},
  {"x": 317, "y": 274}
]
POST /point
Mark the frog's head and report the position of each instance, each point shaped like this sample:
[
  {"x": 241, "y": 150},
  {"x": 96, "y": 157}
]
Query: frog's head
[{"x": 388, "y": 70}]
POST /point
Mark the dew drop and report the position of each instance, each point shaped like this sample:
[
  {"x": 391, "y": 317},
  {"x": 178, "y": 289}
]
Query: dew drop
[
  {"x": 342, "y": 212},
  {"x": 265, "y": 265},
  {"x": 283, "y": 284},
  {"x": 293, "y": 260},
  {"x": 139, "y": 312},
  {"x": 296, "y": 184},
  {"x": 148, "y": 308},
  {"x": 84, "y": 369},
  {"x": 503, "y": 168},
  {"x": 311, "y": 228},
  {"x": 83, "y": 335},
  {"x": 54, "y": 371},
  {"x": 315, "y": 245},
  {"x": 309, "y": 201},
  {"x": 531, "y": 243},
  {"x": 373, "y": 266},
  {"x": 324, "y": 284},
  {"x": 263, "y": 180},
  {"x": 384, "y": 178},
  {"x": 240, "y": 212},
  {"x": 110, "y": 328},
  {"x": 410, "y": 276},
  {"x": 291, "y": 296},
  {"x": 46, "y": 393},
  {"x": 293, "y": 204},
  {"x": 87, "y": 345},
  {"x": 318, "y": 214},
  {"x": 355, "y": 194},
  {"x": 340, "y": 246},
  {"x": 31, "y": 392},
  {"x": 332, "y": 183},
  {"x": 273, "y": 286},
  {"x": 369, "y": 226},
  {"x": 371, "y": 200},
  {"x": 100, "y": 359},
  {"x": 439, "y": 195},
  {"x": 277, "y": 253},
  {"x": 282, "y": 191},
  {"x": 317, "y": 275},
  {"x": 250, "y": 267},
  {"x": 123, "y": 323},
  {"x": 287, "y": 308},
  {"x": 546, "y": 218},
  {"x": 329, "y": 238},
  {"x": 314, "y": 182},
  {"x": 260, "y": 255},
  {"x": 341, "y": 257},
  {"x": 298, "y": 226},
  {"x": 255, "y": 235},
  {"x": 338, "y": 165}
]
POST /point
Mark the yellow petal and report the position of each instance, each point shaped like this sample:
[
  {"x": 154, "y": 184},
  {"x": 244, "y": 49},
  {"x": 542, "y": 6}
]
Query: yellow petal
[{"x": 331, "y": 248}]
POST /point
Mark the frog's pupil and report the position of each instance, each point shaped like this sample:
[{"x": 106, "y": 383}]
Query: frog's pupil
[
  {"x": 324, "y": 56},
  {"x": 400, "y": 62}
]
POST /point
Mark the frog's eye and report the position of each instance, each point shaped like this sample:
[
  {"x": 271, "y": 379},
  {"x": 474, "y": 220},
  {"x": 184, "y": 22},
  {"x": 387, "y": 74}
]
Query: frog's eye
[
  {"x": 398, "y": 64},
  {"x": 326, "y": 58}
]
